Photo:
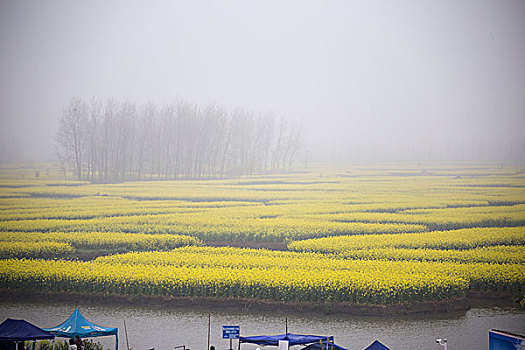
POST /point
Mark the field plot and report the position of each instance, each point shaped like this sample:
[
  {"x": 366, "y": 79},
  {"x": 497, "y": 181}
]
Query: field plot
[{"x": 361, "y": 234}]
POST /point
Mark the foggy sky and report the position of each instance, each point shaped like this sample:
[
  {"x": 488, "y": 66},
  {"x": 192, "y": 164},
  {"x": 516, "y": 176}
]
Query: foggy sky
[{"x": 371, "y": 80}]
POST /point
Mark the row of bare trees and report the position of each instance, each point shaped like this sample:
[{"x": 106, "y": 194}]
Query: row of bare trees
[{"x": 117, "y": 141}]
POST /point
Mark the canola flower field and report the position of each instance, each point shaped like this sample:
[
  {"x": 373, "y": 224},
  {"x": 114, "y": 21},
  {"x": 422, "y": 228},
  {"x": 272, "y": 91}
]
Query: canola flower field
[{"x": 362, "y": 234}]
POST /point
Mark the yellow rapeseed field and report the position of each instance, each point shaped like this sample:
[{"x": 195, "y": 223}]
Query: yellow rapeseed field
[{"x": 365, "y": 234}]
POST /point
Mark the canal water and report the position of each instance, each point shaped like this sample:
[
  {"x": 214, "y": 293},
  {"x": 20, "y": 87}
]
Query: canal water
[{"x": 164, "y": 328}]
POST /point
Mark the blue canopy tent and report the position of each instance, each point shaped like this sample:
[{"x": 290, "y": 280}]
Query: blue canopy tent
[
  {"x": 293, "y": 339},
  {"x": 76, "y": 324},
  {"x": 323, "y": 345},
  {"x": 21, "y": 330},
  {"x": 376, "y": 345},
  {"x": 501, "y": 340}
]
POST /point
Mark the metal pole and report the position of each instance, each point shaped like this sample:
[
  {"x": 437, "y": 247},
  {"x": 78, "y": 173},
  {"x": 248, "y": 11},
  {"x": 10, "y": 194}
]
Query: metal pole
[
  {"x": 126, "y": 332},
  {"x": 209, "y": 326}
]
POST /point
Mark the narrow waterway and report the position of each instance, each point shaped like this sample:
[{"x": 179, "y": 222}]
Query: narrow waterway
[{"x": 164, "y": 328}]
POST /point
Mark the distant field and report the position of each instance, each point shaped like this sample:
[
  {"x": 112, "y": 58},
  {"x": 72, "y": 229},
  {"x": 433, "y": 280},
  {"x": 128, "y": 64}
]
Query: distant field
[{"x": 361, "y": 234}]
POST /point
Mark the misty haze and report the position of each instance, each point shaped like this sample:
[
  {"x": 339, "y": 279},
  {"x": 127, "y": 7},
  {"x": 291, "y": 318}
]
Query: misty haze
[{"x": 368, "y": 81}]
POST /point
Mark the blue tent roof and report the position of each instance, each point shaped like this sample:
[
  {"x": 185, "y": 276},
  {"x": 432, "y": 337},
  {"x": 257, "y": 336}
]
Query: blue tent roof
[
  {"x": 376, "y": 345},
  {"x": 505, "y": 340},
  {"x": 294, "y": 339},
  {"x": 20, "y": 330},
  {"x": 76, "y": 324},
  {"x": 323, "y": 346}
]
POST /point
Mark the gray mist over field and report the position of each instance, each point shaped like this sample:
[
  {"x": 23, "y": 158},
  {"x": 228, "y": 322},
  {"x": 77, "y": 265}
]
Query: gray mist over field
[{"x": 369, "y": 80}]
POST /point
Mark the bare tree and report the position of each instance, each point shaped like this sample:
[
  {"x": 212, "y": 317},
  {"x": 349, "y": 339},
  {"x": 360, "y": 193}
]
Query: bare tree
[
  {"x": 92, "y": 128},
  {"x": 145, "y": 133},
  {"x": 70, "y": 137},
  {"x": 120, "y": 141}
]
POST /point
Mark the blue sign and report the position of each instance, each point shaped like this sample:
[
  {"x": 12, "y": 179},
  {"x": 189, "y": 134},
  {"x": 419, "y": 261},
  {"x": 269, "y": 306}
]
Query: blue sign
[{"x": 231, "y": 332}]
